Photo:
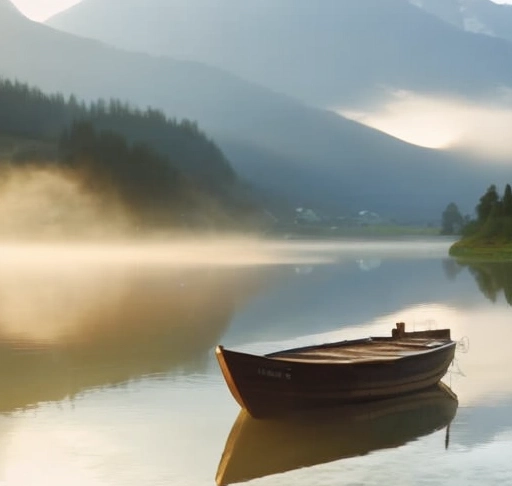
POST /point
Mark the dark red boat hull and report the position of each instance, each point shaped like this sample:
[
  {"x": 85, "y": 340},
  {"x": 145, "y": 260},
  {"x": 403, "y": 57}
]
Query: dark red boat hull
[{"x": 265, "y": 386}]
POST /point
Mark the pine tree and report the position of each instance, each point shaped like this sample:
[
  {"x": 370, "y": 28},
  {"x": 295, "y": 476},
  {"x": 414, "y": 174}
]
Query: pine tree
[
  {"x": 507, "y": 202},
  {"x": 489, "y": 201}
]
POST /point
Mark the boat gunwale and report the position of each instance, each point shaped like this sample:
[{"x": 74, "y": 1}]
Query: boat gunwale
[
  {"x": 281, "y": 355},
  {"x": 334, "y": 362}
]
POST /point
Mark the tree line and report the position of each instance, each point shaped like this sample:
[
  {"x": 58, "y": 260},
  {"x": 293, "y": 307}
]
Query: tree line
[
  {"x": 156, "y": 164},
  {"x": 493, "y": 217}
]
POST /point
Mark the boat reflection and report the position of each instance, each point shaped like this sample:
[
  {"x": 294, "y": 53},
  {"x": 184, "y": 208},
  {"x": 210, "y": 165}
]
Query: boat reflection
[{"x": 258, "y": 448}]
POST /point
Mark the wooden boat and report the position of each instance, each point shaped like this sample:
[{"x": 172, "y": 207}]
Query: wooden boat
[
  {"x": 258, "y": 448},
  {"x": 342, "y": 372}
]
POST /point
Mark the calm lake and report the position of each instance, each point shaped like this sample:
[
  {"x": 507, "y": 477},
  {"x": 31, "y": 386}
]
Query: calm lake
[{"x": 109, "y": 375}]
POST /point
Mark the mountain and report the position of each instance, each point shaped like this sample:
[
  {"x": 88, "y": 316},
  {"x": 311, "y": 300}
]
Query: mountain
[
  {"x": 478, "y": 16},
  {"x": 313, "y": 157},
  {"x": 327, "y": 53},
  {"x": 7, "y": 8}
]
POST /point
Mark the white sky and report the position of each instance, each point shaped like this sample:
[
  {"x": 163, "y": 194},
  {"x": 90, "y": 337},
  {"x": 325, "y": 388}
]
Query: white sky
[{"x": 40, "y": 10}]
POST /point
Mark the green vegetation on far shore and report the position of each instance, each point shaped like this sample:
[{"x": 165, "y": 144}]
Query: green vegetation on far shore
[
  {"x": 489, "y": 236},
  {"x": 370, "y": 231},
  {"x": 482, "y": 252}
]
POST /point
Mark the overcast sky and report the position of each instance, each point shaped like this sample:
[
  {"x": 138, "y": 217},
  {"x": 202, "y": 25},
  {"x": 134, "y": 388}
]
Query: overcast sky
[{"x": 42, "y": 9}]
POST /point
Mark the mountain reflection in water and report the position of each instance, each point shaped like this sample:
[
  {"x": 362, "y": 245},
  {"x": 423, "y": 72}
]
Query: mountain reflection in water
[
  {"x": 258, "y": 448},
  {"x": 63, "y": 331}
]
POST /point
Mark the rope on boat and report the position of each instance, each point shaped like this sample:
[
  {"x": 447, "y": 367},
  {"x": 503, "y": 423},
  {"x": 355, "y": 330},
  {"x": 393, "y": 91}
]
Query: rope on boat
[{"x": 462, "y": 345}]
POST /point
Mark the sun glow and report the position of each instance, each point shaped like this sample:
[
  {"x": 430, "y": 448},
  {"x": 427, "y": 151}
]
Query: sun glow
[
  {"x": 442, "y": 123},
  {"x": 41, "y": 10}
]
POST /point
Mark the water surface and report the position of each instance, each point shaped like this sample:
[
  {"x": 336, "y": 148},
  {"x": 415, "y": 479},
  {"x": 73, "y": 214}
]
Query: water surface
[{"x": 109, "y": 375}]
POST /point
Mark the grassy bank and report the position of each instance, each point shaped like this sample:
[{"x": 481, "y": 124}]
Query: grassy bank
[{"x": 482, "y": 249}]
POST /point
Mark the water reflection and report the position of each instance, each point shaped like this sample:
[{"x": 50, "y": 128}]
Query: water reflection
[
  {"x": 257, "y": 448},
  {"x": 342, "y": 295},
  {"x": 64, "y": 330},
  {"x": 493, "y": 278},
  {"x": 161, "y": 318}
]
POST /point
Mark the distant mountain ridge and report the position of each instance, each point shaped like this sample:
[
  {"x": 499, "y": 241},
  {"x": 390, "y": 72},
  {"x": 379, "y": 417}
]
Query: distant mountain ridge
[
  {"x": 7, "y": 7},
  {"x": 313, "y": 157},
  {"x": 328, "y": 53},
  {"x": 478, "y": 16}
]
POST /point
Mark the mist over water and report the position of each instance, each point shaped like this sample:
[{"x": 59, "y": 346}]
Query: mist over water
[
  {"x": 41, "y": 203},
  {"x": 205, "y": 251},
  {"x": 49, "y": 217}
]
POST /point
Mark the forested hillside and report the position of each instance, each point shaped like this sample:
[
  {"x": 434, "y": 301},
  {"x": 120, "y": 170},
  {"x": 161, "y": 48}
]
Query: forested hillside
[{"x": 166, "y": 172}]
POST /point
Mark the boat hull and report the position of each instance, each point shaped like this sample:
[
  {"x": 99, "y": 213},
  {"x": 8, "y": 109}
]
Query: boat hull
[{"x": 266, "y": 386}]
